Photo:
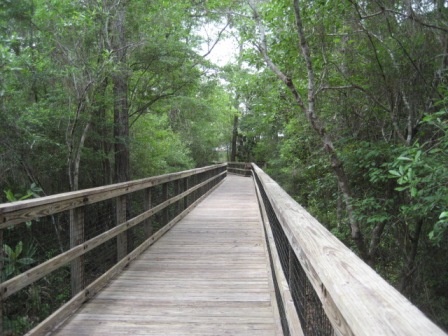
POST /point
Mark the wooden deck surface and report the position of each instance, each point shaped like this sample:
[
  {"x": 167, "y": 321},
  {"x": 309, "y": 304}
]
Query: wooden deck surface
[{"x": 209, "y": 275}]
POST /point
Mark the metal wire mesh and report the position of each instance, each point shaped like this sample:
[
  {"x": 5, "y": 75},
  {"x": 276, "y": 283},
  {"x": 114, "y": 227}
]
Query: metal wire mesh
[
  {"x": 98, "y": 219},
  {"x": 280, "y": 305},
  {"x": 24, "y": 246},
  {"x": 32, "y": 304},
  {"x": 312, "y": 316}
]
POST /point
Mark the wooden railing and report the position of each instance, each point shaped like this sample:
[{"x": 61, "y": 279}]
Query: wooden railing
[
  {"x": 322, "y": 287},
  {"x": 239, "y": 168},
  {"x": 97, "y": 233}
]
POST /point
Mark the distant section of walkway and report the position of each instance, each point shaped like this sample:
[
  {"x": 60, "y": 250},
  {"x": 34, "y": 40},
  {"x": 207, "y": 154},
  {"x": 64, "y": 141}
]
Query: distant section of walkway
[{"x": 209, "y": 275}]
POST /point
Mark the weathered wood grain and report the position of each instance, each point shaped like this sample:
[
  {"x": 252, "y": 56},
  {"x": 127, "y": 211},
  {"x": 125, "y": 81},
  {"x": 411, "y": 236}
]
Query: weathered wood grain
[
  {"x": 200, "y": 278},
  {"x": 355, "y": 298},
  {"x": 77, "y": 238}
]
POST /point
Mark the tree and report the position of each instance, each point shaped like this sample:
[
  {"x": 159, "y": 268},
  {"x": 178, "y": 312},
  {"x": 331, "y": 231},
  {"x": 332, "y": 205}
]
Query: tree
[
  {"x": 366, "y": 83},
  {"x": 309, "y": 108}
]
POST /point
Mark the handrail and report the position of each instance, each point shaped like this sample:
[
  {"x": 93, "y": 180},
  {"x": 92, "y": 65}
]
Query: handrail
[
  {"x": 239, "y": 168},
  {"x": 18, "y": 212},
  {"x": 351, "y": 295},
  {"x": 177, "y": 194}
]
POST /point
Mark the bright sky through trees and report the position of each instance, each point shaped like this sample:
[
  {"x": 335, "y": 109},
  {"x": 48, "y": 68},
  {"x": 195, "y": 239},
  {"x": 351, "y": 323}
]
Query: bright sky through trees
[{"x": 226, "y": 48}]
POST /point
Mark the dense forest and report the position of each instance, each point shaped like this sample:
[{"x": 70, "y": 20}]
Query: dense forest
[{"x": 344, "y": 103}]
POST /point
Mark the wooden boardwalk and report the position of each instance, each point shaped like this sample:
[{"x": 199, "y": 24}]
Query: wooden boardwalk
[{"x": 209, "y": 275}]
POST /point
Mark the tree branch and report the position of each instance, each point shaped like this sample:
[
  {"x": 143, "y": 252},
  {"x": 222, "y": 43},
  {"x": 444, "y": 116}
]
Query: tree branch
[
  {"x": 217, "y": 40},
  {"x": 262, "y": 48}
]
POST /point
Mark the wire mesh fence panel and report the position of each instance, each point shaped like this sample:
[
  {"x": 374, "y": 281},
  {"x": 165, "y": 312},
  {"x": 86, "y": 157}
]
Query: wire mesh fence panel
[
  {"x": 26, "y": 245},
  {"x": 312, "y": 316},
  {"x": 156, "y": 199},
  {"x": 135, "y": 205},
  {"x": 99, "y": 260},
  {"x": 99, "y": 218},
  {"x": 311, "y": 313},
  {"x": 281, "y": 241},
  {"x": 26, "y": 308},
  {"x": 278, "y": 297}
]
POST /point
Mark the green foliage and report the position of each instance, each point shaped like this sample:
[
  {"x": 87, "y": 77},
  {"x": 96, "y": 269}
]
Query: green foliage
[
  {"x": 17, "y": 326},
  {"x": 156, "y": 149},
  {"x": 422, "y": 172},
  {"x": 440, "y": 228},
  {"x": 16, "y": 259},
  {"x": 379, "y": 93},
  {"x": 376, "y": 94},
  {"x": 33, "y": 191}
]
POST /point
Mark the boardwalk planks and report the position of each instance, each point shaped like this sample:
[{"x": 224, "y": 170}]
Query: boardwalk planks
[{"x": 207, "y": 276}]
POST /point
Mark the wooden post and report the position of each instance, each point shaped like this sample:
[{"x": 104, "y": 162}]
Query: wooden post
[
  {"x": 147, "y": 227},
  {"x": 164, "y": 198},
  {"x": 185, "y": 189},
  {"x": 122, "y": 239},
  {"x": 195, "y": 182},
  {"x": 77, "y": 238},
  {"x": 177, "y": 191}
]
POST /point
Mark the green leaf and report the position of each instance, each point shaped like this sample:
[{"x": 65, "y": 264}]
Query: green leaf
[
  {"x": 8, "y": 250},
  {"x": 394, "y": 172},
  {"x": 9, "y": 195},
  {"x": 19, "y": 248},
  {"x": 417, "y": 155},
  {"x": 9, "y": 269},
  {"x": 24, "y": 197},
  {"x": 401, "y": 188},
  {"x": 26, "y": 261}
]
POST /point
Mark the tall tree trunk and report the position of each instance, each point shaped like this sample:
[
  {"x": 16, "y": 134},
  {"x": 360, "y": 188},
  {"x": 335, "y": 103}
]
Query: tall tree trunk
[
  {"x": 120, "y": 90},
  {"x": 318, "y": 126},
  {"x": 121, "y": 131},
  {"x": 101, "y": 127},
  {"x": 234, "y": 138}
]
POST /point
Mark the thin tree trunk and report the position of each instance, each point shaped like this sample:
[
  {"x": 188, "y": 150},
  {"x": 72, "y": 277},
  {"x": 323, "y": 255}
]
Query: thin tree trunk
[
  {"x": 77, "y": 159},
  {"x": 409, "y": 267},
  {"x": 375, "y": 241},
  {"x": 234, "y": 138},
  {"x": 120, "y": 90},
  {"x": 318, "y": 126},
  {"x": 121, "y": 131}
]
